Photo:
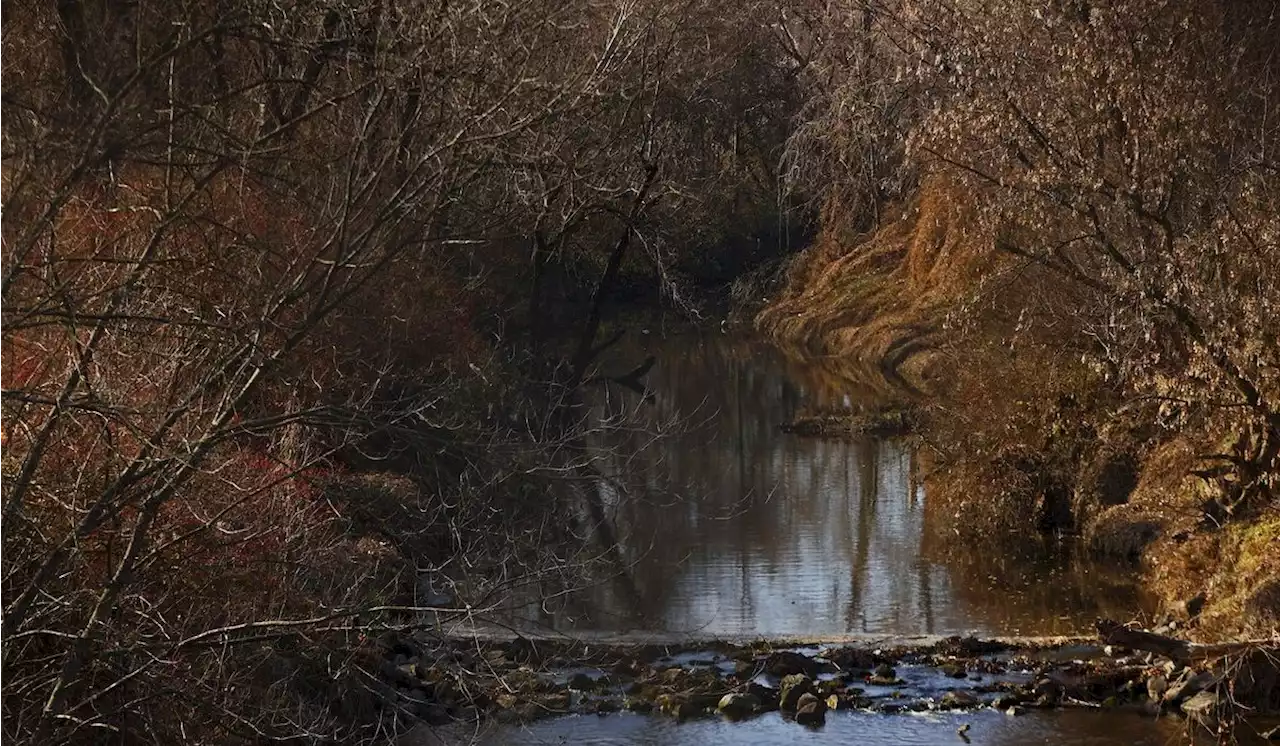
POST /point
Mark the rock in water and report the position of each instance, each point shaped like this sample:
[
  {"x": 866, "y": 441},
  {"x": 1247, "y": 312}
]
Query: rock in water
[
  {"x": 767, "y": 696},
  {"x": 1049, "y": 691},
  {"x": 959, "y": 699},
  {"x": 884, "y": 675},
  {"x": 794, "y": 687},
  {"x": 810, "y": 710},
  {"x": 1202, "y": 709},
  {"x": 678, "y": 706},
  {"x": 736, "y": 705},
  {"x": 787, "y": 662},
  {"x": 634, "y": 704}
]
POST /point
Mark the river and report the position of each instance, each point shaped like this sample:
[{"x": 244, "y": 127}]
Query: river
[{"x": 727, "y": 527}]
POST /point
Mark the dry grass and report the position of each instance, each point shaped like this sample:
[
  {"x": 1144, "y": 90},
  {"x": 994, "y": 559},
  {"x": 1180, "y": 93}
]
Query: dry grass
[
  {"x": 882, "y": 297},
  {"x": 1184, "y": 552},
  {"x": 1124, "y": 531},
  {"x": 1244, "y": 587},
  {"x": 1161, "y": 505}
]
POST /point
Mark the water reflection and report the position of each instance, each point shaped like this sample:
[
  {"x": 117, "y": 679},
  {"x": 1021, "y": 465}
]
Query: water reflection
[{"x": 729, "y": 527}]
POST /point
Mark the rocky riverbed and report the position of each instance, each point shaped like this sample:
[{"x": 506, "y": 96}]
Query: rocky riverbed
[{"x": 524, "y": 680}]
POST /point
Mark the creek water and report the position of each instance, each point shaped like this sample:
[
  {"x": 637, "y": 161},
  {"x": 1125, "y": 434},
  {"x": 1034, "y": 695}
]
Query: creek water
[
  {"x": 987, "y": 727},
  {"x": 727, "y": 527}
]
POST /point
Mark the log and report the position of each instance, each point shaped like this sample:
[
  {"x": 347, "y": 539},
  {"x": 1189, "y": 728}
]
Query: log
[
  {"x": 1181, "y": 651},
  {"x": 1114, "y": 633}
]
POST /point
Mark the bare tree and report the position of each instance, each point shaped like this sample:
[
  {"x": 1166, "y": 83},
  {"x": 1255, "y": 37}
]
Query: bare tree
[{"x": 257, "y": 256}]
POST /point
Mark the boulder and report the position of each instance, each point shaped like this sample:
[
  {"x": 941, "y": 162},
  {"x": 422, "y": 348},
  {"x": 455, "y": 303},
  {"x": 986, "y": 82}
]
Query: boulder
[
  {"x": 768, "y": 697},
  {"x": 635, "y": 704},
  {"x": 1049, "y": 691},
  {"x": 953, "y": 670},
  {"x": 738, "y": 705},
  {"x": 811, "y": 710},
  {"x": 793, "y": 688},
  {"x": 1004, "y": 701},
  {"x": 788, "y": 662},
  {"x": 679, "y": 707},
  {"x": 884, "y": 675},
  {"x": 852, "y": 659},
  {"x": 958, "y": 699}
]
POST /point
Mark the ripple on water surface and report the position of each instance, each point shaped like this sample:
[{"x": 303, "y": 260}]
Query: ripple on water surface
[{"x": 990, "y": 728}]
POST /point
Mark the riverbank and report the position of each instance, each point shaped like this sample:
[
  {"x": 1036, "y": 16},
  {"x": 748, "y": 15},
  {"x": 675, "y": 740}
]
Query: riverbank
[{"x": 1027, "y": 428}]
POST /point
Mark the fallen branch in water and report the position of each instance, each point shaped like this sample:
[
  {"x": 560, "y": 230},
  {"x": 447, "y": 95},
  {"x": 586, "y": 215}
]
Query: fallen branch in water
[
  {"x": 1114, "y": 633},
  {"x": 1181, "y": 651},
  {"x": 1243, "y": 678}
]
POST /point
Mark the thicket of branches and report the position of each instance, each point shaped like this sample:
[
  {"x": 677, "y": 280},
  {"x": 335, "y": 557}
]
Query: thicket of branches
[{"x": 273, "y": 277}]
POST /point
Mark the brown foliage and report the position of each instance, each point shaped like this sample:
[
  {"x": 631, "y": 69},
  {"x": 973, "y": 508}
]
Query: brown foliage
[{"x": 1097, "y": 280}]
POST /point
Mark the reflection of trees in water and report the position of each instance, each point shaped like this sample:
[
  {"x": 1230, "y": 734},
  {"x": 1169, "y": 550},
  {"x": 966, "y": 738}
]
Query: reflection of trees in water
[
  {"x": 1033, "y": 588},
  {"x": 860, "y": 543},
  {"x": 711, "y": 505},
  {"x": 726, "y": 490},
  {"x": 719, "y": 413}
]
